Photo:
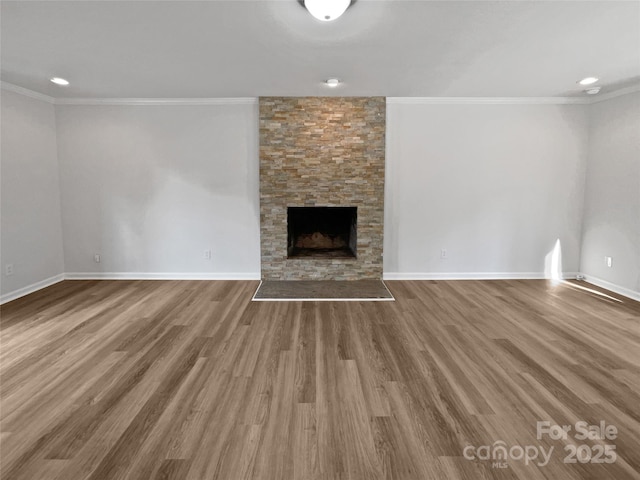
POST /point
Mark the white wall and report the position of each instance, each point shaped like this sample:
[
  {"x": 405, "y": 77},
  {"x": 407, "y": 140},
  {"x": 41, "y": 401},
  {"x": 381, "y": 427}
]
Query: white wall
[
  {"x": 150, "y": 188},
  {"x": 612, "y": 198},
  {"x": 494, "y": 185},
  {"x": 31, "y": 236}
]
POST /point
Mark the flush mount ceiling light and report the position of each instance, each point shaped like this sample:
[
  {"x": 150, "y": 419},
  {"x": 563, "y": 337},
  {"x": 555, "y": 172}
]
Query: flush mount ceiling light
[
  {"x": 592, "y": 91},
  {"x": 59, "y": 81},
  {"x": 332, "y": 82},
  {"x": 326, "y": 10},
  {"x": 588, "y": 81}
]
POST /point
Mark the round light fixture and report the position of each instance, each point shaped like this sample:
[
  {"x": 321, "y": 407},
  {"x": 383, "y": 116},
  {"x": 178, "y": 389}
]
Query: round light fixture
[
  {"x": 592, "y": 91},
  {"x": 588, "y": 81},
  {"x": 332, "y": 82},
  {"x": 59, "y": 81},
  {"x": 326, "y": 10}
]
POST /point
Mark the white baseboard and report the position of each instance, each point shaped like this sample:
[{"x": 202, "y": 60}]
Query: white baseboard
[
  {"x": 34, "y": 287},
  {"x": 625, "y": 292},
  {"x": 159, "y": 276},
  {"x": 472, "y": 276},
  {"x": 7, "y": 297},
  {"x": 21, "y": 292}
]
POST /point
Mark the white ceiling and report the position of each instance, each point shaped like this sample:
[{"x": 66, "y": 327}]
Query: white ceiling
[{"x": 206, "y": 49}]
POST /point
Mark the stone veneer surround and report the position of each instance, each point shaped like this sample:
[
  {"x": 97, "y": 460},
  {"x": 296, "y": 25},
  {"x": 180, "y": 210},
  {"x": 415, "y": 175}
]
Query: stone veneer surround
[{"x": 322, "y": 151}]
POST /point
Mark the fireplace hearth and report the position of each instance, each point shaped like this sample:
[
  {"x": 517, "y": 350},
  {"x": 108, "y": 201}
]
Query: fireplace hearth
[{"x": 322, "y": 232}]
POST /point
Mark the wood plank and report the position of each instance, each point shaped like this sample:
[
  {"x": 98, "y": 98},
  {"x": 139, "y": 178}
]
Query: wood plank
[{"x": 192, "y": 380}]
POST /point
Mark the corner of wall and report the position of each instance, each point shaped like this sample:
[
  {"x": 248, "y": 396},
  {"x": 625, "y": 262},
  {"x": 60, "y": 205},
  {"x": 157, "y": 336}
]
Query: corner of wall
[{"x": 611, "y": 217}]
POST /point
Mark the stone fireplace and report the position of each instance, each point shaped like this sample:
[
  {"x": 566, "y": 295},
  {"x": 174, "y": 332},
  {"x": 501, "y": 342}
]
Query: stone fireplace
[{"x": 322, "y": 187}]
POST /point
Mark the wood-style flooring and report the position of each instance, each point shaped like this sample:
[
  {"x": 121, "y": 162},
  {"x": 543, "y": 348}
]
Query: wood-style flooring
[{"x": 192, "y": 380}]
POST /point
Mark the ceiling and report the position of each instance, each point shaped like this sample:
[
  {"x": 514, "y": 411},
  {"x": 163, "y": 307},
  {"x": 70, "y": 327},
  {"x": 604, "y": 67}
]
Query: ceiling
[{"x": 242, "y": 48}]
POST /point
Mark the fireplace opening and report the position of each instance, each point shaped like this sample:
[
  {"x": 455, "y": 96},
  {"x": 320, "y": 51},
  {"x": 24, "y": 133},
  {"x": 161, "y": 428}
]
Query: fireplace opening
[{"x": 328, "y": 232}]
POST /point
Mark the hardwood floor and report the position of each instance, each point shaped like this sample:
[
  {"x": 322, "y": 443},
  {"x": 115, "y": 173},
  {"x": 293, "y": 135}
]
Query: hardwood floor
[{"x": 191, "y": 380}]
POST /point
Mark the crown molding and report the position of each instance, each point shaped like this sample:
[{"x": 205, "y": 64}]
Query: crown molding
[
  {"x": 589, "y": 100},
  {"x": 157, "y": 101},
  {"x": 488, "y": 100},
  {"x": 616, "y": 93},
  {"x": 127, "y": 101},
  {"x": 390, "y": 100},
  {"x": 26, "y": 92}
]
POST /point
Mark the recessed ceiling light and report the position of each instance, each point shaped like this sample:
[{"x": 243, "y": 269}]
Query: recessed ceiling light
[
  {"x": 59, "y": 81},
  {"x": 592, "y": 91},
  {"x": 332, "y": 82},
  {"x": 588, "y": 81},
  {"x": 326, "y": 10}
]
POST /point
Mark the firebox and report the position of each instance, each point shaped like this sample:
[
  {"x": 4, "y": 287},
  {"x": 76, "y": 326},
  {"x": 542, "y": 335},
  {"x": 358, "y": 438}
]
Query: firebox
[{"x": 329, "y": 232}]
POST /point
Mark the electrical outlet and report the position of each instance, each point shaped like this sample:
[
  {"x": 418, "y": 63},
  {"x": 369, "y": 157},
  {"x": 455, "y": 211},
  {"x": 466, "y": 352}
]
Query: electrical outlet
[
  {"x": 443, "y": 254},
  {"x": 96, "y": 258},
  {"x": 207, "y": 254},
  {"x": 8, "y": 269},
  {"x": 608, "y": 261}
]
